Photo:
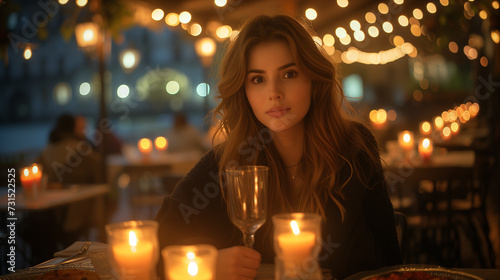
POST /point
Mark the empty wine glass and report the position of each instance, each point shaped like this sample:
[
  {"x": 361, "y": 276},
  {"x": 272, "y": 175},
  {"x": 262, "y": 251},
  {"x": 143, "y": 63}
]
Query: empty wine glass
[{"x": 246, "y": 198}]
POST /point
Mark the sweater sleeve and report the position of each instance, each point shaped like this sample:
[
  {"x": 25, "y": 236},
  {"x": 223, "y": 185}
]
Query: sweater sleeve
[{"x": 379, "y": 211}]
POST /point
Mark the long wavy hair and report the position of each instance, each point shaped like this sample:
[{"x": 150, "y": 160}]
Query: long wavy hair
[{"x": 332, "y": 142}]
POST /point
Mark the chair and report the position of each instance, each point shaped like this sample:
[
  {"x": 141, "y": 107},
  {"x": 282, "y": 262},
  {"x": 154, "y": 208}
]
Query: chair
[
  {"x": 402, "y": 232},
  {"x": 447, "y": 206}
]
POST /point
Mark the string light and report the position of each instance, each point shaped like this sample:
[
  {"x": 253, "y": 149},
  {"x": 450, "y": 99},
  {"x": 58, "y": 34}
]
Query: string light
[
  {"x": 342, "y": 3},
  {"x": 311, "y": 14}
]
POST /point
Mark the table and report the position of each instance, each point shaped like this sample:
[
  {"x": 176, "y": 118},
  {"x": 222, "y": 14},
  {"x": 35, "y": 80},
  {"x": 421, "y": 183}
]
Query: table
[{"x": 55, "y": 197}]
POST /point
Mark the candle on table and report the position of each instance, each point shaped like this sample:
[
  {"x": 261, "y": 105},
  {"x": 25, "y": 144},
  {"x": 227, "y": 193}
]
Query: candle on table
[
  {"x": 133, "y": 248},
  {"x": 196, "y": 262},
  {"x": 406, "y": 140},
  {"x": 296, "y": 246},
  {"x": 161, "y": 143},
  {"x": 425, "y": 149},
  {"x": 145, "y": 147},
  {"x": 31, "y": 178}
]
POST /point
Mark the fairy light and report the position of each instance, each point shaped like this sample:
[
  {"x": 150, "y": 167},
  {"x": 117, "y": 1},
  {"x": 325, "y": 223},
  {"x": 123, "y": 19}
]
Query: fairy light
[
  {"x": 184, "y": 17},
  {"x": 403, "y": 20},
  {"x": 157, "y": 14},
  {"x": 418, "y": 14},
  {"x": 431, "y": 8},
  {"x": 383, "y": 8},
  {"x": 172, "y": 19},
  {"x": 342, "y": 3},
  {"x": 341, "y": 32},
  {"x": 370, "y": 17},
  {"x": 311, "y": 14},
  {"x": 373, "y": 31},
  {"x": 329, "y": 40},
  {"x": 444, "y": 2},
  {"x": 387, "y": 26},
  {"x": 355, "y": 25}
]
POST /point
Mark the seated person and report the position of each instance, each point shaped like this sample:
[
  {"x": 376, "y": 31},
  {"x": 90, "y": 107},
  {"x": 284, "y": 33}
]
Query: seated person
[{"x": 282, "y": 106}]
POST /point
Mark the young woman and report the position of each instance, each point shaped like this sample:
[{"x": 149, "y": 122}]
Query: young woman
[{"x": 282, "y": 106}]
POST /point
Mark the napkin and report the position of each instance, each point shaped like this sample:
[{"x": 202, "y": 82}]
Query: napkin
[{"x": 75, "y": 247}]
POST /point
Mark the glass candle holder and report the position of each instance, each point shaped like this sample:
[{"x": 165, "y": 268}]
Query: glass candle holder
[
  {"x": 31, "y": 180},
  {"x": 133, "y": 249},
  {"x": 195, "y": 262},
  {"x": 297, "y": 243}
]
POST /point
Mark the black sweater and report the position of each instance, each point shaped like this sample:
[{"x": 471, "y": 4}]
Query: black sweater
[{"x": 196, "y": 213}]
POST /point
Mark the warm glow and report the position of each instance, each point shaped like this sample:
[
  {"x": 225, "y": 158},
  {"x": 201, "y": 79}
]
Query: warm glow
[
  {"x": 132, "y": 238},
  {"x": 161, "y": 143},
  {"x": 27, "y": 53},
  {"x": 346, "y": 40},
  {"x": 81, "y": 3},
  {"x": 452, "y": 116},
  {"x": 370, "y": 17},
  {"x": 495, "y": 5},
  {"x": 172, "y": 19},
  {"x": 192, "y": 268},
  {"x": 399, "y": 2},
  {"x": 295, "y": 227},
  {"x": 145, "y": 145},
  {"x": 359, "y": 35},
  {"x": 387, "y": 26},
  {"x": 483, "y": 14},
  {"x": 123, "y": 91},
  {"x": 190, "y": 255},
  {"x": 355, "y": 25},
  {"x": 415, "y": 30},
  {"x": 495, "y": 36},
  {"x": 157, "y": 14},
  {"x": 426, "y": 143},
  {"x": 195, "y": 29},
  {"x": 446, "y": 132},
  {"x": 86, "y": 34},
  {"x": 373, "y": 31},
  {"x": 403, "y": 20},
  {"x": 392, "y": 115},
  {"x": 34, "y": 169},
  {"x": 381, "y": 116},
  {"x": 418, "y": 14},
  {"x": 454, "y": 127},
  {"x": 431, "y": 8},
  {"x": 444, "y": 2},
  {"x": 205, "y": 47},
  {"x": 224, "y": 31},
  {"x": 311, "y": 14},
  {"x": 438, "y": 122},
  {"x": 172, "y": 87},
  {"x": 425, "y": 127},
  {"x": 445, "y": 116},
  {"x": 328, "y": 40},
  {"x": 26, "y": 172},
  {"x": 383, "y": 8},
  {"x": 62, "y": 2},
  {"x": 406, "y": 137},
  {"x": 453, "y": 47},
  {"x": 484, "y": 61},
  {"x": 184, "y": 17},
  {"x": 340, "y": 32},
  {"x": 220, "y": 3},
  {"x": 398, "y": 40},
  {"x": 342, "y": 3}
]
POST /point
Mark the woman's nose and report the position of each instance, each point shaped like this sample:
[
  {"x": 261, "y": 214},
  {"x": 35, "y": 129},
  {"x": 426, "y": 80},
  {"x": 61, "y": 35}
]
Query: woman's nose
[{"x": 275, "y": 90}]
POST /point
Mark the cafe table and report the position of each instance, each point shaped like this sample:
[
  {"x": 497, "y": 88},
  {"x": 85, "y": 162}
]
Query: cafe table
[{"x": 95, "y": 259}]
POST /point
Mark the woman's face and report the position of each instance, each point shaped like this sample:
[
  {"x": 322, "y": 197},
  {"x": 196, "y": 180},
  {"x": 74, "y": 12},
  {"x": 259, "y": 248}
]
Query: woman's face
[{"x": 278, "y": 92}]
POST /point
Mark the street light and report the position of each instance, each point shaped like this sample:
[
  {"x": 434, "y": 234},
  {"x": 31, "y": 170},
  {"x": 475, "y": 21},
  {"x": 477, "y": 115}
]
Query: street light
[
  {"x": 205, "y": 48},
  {"x": 89, "y": 36}
]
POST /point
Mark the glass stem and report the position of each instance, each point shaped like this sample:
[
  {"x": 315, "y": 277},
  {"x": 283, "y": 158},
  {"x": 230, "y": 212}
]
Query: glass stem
[{"x": 248, "y": 239}]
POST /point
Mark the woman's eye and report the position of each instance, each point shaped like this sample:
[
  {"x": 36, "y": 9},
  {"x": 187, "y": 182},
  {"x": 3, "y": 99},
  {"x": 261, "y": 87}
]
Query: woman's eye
[
  {"x": 256, "y": 79},
  {"x": 290, "y": 74}
]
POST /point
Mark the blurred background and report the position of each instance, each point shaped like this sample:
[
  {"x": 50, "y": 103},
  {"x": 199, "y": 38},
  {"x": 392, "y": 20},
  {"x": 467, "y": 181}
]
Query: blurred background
[{"x": 431, "y": 68}]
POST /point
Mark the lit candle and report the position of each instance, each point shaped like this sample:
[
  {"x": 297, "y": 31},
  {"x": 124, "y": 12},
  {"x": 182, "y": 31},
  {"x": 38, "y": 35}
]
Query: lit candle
[
  {"x": 145, "y": 147},
  {"x": 406, "y": 140},
  {"x": 296, "y": 246},
  {"x": 161, "y": 143},
  {"x": 133, "y": 249},
  {"x": 425, "y": 149},
  {"x": 135, "y": 256},
  {"x": 31, "y": 178},
  {"x": 196, "y": 262}
]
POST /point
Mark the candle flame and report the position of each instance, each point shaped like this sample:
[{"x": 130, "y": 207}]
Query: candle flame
[
  {"x": 192, "y": 269},
  {"x": 35, "y": 169},
  {"x": 406, "y": 137},
  {"x": 295, "y": 227},
  {"x": 145, "y": 145},
  {"x": 161, "y": 143},
  {"x": 190, "y": 255},
  {"x": 426, "y": 143},
  {"x": 132, "y": 238},
  {"x": 26, "y": 172}
]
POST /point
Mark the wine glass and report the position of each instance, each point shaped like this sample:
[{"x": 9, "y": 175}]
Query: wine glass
[{"x": 246, "y": 198}]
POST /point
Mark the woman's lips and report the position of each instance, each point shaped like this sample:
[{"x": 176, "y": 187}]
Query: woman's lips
[{"x": 277, "y": 112}]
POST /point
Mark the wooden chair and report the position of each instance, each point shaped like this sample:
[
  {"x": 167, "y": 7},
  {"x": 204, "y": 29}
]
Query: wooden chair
[
  {"x": 402, "y": 232},
  {"x": 447, "y": 205}
]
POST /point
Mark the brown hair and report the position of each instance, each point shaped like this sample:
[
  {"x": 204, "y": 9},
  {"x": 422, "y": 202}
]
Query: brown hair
[{"x": 331, "y": 141}]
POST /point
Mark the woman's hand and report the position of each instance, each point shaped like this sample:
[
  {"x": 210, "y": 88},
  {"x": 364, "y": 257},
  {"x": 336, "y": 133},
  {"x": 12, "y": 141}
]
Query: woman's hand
[{"x": 237, "y": 263}]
